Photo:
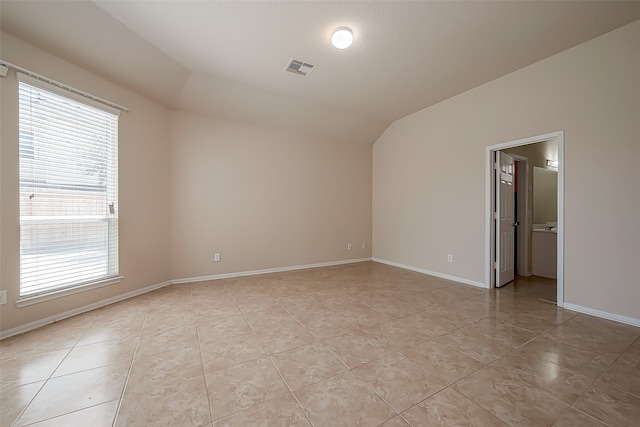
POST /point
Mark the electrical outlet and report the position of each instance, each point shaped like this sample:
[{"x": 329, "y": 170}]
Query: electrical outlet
[
  {"x": 363, "y": 245},
  {"x": 3, "y": 297},
  {"x": 349, "y": 246},
  {"x": 450, "y": 258},
  {"x": 216, "y": 257}
]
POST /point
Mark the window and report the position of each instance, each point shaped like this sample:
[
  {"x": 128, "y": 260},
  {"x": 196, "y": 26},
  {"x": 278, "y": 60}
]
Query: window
[{"x": 68, "y": 190}]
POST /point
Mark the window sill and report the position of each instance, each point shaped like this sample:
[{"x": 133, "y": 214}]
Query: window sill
[{"x": 36, "y": 299}]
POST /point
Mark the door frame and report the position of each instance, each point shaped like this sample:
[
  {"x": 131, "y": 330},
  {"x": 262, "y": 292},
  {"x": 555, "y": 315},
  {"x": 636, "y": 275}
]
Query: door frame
[{"x": 489, "y": 277}]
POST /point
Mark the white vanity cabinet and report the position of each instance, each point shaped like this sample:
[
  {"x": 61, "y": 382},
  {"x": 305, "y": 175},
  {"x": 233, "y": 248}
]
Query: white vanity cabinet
[{"x": 544, "y": 257}]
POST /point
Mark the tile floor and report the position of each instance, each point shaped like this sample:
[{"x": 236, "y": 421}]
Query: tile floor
[
  {"x": 356, "y": 345},
  {"x": 534, "y": 286}
]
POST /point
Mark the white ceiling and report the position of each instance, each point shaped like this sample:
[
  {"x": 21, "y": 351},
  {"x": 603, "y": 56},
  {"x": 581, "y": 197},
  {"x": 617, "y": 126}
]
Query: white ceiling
[{"x": 226, "y": 58}]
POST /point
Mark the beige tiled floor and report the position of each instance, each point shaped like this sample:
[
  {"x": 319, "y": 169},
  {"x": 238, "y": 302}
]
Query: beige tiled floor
[
  {"x": 356, "y": 345},
  {"x": 534, "y": 286}
]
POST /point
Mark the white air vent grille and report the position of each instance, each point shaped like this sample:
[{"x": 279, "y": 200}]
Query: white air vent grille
[{"x": 299, "y": 67}]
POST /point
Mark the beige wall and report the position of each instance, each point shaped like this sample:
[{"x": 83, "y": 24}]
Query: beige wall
[
  {"x": 264, "y": 198},
  {"x": 144, "y": 198},
  {"x": 429, "y": 170}
]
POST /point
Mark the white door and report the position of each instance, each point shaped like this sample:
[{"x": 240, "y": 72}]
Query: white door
[{"x": 505, "y": 223}]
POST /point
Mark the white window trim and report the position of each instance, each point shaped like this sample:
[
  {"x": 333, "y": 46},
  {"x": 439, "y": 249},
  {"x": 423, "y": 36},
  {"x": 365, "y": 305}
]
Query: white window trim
[
  {"x": 82, "y": 97},
  {"x": 36, "y": 299}
]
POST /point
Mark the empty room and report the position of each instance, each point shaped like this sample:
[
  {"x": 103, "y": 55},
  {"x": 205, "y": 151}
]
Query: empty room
[{"x": 245, "y": 213}]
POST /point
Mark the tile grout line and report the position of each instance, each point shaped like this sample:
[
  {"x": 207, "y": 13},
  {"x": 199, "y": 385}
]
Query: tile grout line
[
  {"x": 351, "y": 370},
  {"x": 278, "y": 370},
  {"x": 598, "y": 378},
  {"x": 45, "y": 383},
  {"x": 30, "y": 402},
  {"x": 485, "y": 365},
  {"x": 270, "y": 359},
  {"x": 133, "y": 359},
  {"x": 204, "y": 373}
]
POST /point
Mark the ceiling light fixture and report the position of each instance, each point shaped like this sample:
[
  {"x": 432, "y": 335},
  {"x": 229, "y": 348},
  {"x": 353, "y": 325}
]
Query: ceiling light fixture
[{"x": 342, "y": 37}]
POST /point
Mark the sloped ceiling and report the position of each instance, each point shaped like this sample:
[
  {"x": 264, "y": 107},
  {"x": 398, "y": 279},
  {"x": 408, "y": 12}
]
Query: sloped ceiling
[{"x": 226, "y": 58}]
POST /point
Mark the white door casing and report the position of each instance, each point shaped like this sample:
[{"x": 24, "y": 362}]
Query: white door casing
[
  {"x": 505, "y": 224},
  {"x": 490, "y": 193}
]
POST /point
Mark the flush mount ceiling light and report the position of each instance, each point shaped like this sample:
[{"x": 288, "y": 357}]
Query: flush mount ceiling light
[{"x": 342, "y": 37}]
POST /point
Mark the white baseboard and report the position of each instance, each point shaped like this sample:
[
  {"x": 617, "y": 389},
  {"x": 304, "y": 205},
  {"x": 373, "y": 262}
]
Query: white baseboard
[
  {"x": 265, "y": 271},
  {"x": 603, "y": 314},
  {"x": 432, "y": 273},
  {"x": 57, "y": 317}
]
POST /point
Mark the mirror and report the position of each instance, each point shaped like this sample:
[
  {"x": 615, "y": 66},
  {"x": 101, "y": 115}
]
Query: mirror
[{"x": 545, "y": 195}]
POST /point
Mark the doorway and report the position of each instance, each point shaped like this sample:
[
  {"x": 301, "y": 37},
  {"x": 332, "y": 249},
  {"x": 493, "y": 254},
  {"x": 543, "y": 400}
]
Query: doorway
[{"x": 492, "y": 244}]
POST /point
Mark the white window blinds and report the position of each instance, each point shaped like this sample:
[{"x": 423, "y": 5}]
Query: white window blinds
[{"x": 68, "y": 189}]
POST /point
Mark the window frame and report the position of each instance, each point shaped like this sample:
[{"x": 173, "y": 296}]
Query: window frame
[{"x": 113, "y": 275}]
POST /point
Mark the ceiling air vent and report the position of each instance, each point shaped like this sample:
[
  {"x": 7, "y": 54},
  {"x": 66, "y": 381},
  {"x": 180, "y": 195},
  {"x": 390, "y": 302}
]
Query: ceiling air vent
[{"x": 299, "y": 67}]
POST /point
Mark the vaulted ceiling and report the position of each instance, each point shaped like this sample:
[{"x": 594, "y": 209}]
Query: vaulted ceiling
[{"x": 226, "y": 58}]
